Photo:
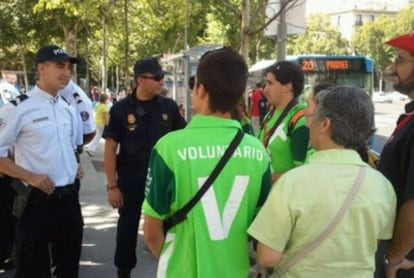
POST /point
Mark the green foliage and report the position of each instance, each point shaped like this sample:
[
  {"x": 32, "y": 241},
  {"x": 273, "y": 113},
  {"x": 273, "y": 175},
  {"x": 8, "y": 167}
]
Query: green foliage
[
  {"x": 320, "y": 37},
  {"x": 158, "y": 26},
  {"x": 369, "y": 41},
  {"x": 404, "y": 21}
]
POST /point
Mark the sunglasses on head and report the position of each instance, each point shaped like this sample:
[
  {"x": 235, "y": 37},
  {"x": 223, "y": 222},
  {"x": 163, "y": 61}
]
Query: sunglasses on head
[
  {"x": 155, "y": 77},
  {"x": 191, "y": 82}
]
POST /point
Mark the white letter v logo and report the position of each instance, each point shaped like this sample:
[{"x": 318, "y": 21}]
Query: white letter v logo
[{"x": 219, "y": 227}]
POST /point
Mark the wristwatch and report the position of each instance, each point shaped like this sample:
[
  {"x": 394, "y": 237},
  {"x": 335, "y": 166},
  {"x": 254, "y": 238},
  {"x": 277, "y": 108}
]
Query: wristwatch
[
  {"x": 109, "y": 188},
  {"x": 387, "y": 263}
]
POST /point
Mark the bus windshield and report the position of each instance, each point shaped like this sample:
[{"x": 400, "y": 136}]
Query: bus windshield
[
  {"x": 358, "y": 79},
  {"x": 342, "y": 70}
]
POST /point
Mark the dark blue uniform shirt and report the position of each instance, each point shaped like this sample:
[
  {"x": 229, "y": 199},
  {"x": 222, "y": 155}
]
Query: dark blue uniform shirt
[{"x": 137, "y": 125}]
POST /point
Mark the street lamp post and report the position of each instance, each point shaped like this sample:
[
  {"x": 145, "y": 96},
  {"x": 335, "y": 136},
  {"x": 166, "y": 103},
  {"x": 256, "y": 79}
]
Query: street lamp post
[{"x": 186, "y": 57}]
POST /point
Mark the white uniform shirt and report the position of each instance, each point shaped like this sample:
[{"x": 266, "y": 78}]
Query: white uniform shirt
[
  {"x": 78, "y": 99},
  {"x": 43, "y": 132}
]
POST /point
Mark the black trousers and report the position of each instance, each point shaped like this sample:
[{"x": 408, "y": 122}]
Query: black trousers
[
  {"x": 7, "y": 220},
  {"x": 127, "y": 232},
  {"x": 46, "y": 221}
]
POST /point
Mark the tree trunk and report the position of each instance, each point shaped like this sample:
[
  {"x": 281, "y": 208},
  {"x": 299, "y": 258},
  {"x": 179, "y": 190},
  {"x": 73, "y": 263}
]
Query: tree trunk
[
  {"x": 104, "y": 69},
  {"x": 71, "y": 31},
  {"x": 126, "y": 71},
  {"x": 380, "y": 80},
  {"x": 26, "y": 81},
  {"x": 245, "y": 27}
]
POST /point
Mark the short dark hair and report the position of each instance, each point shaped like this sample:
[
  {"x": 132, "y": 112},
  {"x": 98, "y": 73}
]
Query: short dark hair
[
  {"x": 223, "y": 72},
  {"x": 288, "y": 72}
]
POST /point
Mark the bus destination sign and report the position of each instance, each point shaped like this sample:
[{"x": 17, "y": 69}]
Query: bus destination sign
[{"x": 324, "y": 64}]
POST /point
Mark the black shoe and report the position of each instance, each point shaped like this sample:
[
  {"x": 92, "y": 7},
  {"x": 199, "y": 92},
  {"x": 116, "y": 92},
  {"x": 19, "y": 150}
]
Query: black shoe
[
  {"x": 124, "y": 273},
  {"x": 7, "y": 264}
]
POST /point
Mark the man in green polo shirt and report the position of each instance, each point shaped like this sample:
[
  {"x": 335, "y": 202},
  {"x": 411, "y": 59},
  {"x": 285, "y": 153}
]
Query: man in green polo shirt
[
  {"x": 305, "y": 200},
  {"x": 283, "y": 131},
  {"x": 212, "y": 241}
]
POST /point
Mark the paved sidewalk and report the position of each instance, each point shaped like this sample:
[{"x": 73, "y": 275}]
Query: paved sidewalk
[{"x": 100, "y": 227}]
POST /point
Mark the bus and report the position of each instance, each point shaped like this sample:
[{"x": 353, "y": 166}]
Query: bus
[{"x": 342, "y": 70}]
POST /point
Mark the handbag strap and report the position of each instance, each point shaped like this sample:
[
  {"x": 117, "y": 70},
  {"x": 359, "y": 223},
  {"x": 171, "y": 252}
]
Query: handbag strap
[
  {"x": 328, "y": 230},
  {"x": 181, "y": 214}
]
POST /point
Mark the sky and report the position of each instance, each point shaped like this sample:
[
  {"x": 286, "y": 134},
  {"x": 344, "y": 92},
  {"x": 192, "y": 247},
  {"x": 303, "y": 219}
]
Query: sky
[{"x": 313, "y": 6}]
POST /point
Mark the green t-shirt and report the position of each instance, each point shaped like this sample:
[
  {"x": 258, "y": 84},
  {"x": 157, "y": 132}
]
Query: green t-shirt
[
  {"x": 212, "y": 241},
  {"x": 286, "y": 150}
]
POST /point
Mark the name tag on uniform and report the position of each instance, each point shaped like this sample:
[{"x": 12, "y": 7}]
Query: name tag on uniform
[{"x": 40, "y": 119}]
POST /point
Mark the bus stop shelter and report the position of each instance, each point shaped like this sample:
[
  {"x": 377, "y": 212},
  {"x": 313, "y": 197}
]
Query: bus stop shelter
[{"x": 183, "y": 65}]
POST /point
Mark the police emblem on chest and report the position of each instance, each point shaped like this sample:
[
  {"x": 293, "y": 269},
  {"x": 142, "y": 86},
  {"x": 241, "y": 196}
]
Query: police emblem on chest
[{"x": 132, "y": 122}]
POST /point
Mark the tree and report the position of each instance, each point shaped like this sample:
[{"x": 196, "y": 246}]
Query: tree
[
  {"x": 369, "y": 41},
  {"x": 246, "y": 19},
  {"x": 404, "y": 21},
  {"x": 320, "y": 37},
  {"x": 20, "y": 33}
]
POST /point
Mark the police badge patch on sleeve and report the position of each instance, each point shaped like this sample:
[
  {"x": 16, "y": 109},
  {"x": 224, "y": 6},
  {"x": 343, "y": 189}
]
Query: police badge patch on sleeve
[{"x": 84, "y": 115}]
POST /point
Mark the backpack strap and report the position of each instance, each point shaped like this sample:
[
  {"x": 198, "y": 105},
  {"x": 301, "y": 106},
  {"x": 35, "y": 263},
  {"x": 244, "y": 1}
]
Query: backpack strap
[{"x": 295, "y": 118}]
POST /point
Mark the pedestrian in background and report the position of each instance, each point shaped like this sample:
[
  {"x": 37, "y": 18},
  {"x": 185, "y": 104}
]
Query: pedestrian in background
[
  {"x": 397, "y": 164},
  {"x": 212, "y": 240},
  {"x": 283, "y": 131},
  {"x": 292, "y": 226},
  {"x": 77, "y": 98},
  {"x": 101, "y": 120},
  {"x": 136, "y": 123},
  {"x": 255, "y": 98},
  {"x": 43, "y": 131}
]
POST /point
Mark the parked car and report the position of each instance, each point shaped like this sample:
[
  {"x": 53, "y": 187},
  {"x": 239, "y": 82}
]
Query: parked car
[
  {"x": 7, "y": 92},
  {"x": 397, "y": 96},
  {"x": 381, "y": 97}
]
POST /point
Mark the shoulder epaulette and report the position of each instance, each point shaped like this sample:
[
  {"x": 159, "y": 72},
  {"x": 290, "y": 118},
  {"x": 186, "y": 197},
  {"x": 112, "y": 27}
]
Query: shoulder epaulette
[
  {"x": 17, "y": 100},
  {"x": 77, "y": 97}
]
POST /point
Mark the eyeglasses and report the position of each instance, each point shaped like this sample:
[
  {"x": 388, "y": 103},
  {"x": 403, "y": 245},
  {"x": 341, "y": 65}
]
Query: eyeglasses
[
  {"x": 155, "y": 77},
  {"x": 399, "y": 60},
  {"x": 191, "y": 82}
]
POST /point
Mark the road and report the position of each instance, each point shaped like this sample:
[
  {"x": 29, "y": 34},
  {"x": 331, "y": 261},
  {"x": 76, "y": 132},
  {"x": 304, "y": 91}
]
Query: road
[{"x": 386, "y": 115}]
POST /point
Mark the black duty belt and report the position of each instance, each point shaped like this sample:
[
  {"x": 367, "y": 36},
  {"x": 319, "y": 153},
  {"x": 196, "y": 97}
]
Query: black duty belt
[{"x": 66, "y": 189}]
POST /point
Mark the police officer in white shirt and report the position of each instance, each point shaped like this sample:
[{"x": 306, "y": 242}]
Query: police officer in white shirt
[
  {"x": 76, "y": 97},
  {"x": 43, "y": 130}
]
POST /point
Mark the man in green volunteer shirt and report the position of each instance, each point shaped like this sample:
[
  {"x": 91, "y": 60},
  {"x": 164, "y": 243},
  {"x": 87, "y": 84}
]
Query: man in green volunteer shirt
[
  {"x": 283, "y": 131},
  {"x": 212, "y": 241}
]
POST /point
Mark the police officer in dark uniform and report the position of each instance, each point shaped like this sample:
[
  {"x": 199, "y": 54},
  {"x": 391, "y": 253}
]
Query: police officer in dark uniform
[{"x": 135, "y": 124}]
